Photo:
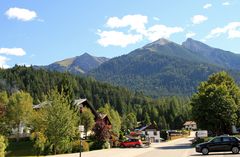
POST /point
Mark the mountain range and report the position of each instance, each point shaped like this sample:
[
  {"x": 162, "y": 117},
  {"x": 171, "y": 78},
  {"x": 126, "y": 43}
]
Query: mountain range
[
  {"x": 160, "y": 68},
  {"x": 76, "y": 65}
]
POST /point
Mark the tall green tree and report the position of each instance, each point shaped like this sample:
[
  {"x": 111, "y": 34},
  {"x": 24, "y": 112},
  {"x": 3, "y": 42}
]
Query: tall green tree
[
  {"x": 55, "y": 124},
  {"x": 129, "y": 121},
  {"x": 4, "y": 122},
  {"x": 19, "y": 109},
  {"x": 146, "y": 119},
  {"x": 216, "y": 105},
  {"x": 61, "y": 122},
  {"x": 3, "y": 99}
]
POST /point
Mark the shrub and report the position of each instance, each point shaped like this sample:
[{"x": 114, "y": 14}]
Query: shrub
[
  {"x": 116, "y": 144},
  {"x": 2, "y": 146},
  {"x": 39, "y": 142},
  {"x": 106, "y": 145},
  {"x": 96, "y": 145},
  {"x": 76, "y": 146}
]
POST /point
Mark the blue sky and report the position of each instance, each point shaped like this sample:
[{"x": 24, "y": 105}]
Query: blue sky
[{"x": 40, "y": 32}]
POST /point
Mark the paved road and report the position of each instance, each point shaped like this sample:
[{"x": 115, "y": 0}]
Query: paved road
[{"x": 177, "y": 148}]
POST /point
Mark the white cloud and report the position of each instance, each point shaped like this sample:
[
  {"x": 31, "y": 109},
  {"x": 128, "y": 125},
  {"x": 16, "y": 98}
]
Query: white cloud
[
  {"x": 115, "y": 38},
  {"x": 161, "y": 31},
  {"x": 137, "y": 31},
  {"x": 190, "y": 34},
  {"x": 232, "y": 30},
  {"x": 197, "y": 19},
  {"x": 206, "y": 6},
  {"x": 156, "y": 18},
  {"x": 136, "y": 22},
  {"x": 3, "y": 61},
  {"x": 12, "y": 51},
  {"x": 225, "y": 3},
  {"x": 21, "y": 14}
]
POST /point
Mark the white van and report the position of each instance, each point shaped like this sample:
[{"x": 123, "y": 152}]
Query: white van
[{"x": 202, "y": 133}]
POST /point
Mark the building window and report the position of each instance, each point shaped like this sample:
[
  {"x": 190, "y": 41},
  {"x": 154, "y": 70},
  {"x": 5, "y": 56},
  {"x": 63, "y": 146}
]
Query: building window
[
  {"x": 146, "y": 133},
  {"x": 155, "y": 133}
]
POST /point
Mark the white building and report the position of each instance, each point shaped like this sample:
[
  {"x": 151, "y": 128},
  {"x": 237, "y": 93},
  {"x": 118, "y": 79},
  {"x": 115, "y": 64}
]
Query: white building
[
  {"x": 190, "y": 125},
  {"x": 151, "y": 132}
]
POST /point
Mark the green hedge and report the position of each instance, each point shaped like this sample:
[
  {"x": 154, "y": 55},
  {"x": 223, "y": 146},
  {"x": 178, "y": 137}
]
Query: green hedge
[
  {"x": 2, "y": 146},
  {"x": 76, "y": 146}
]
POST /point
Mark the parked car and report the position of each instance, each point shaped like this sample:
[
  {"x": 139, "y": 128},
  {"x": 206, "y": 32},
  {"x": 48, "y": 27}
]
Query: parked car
[
  {"x": 219, "y": 144},
  {"x": 132, "y": 143}
]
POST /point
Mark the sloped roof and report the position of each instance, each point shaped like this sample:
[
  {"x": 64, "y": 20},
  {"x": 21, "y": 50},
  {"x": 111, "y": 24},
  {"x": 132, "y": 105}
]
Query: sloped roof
[
  {"x": 150, "y": 127},
  {"x": 79, "y": 101},
  {"x": 85, "y": 102},
  {"x": 189, "y": 123},
  {"x": 38, "y": 106}
]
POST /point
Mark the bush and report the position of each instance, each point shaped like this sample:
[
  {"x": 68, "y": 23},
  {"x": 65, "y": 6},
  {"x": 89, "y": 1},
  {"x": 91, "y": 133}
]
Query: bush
[
  {"x": 106, "y": 145},
  {"x": 76, "y": 146},
  {"x": 96, "y": 145},
  {"x": 39, "y": 142},
  {"x": 2, "y": 146},
  {"x": 116, "y": 144}
]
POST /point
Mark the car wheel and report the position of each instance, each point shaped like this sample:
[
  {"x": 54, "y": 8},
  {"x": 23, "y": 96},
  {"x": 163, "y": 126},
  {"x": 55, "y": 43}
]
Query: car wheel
[
  {"x": 137, "y": 145},
  {"x": 235, "y": 150},
  {"x": 205, "y": 151}
]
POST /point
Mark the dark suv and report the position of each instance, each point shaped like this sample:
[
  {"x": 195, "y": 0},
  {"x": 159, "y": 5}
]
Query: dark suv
[{"x": 219, "y": 144}]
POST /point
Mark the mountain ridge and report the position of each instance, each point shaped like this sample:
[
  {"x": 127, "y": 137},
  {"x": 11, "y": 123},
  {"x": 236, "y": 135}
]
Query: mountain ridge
[
  {"x": 76, "y": 65},
  {"x": 213, "y": 55},
  {"x": 161, "y": 68}
]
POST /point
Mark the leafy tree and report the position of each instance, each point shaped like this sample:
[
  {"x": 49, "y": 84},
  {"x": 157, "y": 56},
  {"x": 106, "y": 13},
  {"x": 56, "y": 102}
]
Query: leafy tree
[
  {"x": 129, "y": 121},
  {"x": 216, "y": 105},
  {"x": 113, "y": 117},
  {"x": 3, "y": 99},
  {"x": 55, "y": 124},
  {"x": 4, "y": 122},
  {"x": 87, "y": 119},
  {"x": 20, "y": 109},
  {"x": 102, "y": 131},
  {"x": 61, "y": 122}
]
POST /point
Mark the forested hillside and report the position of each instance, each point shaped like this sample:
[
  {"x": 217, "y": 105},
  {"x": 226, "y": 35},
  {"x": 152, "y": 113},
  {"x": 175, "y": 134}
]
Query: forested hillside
[
  {"x": 169, "y": 112},
  {"x": 161, "y": 68}
]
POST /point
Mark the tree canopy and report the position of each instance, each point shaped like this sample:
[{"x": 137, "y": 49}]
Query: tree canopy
[
  {"x": 57, "y": 123},
  {"x": 216, "y": 105}
]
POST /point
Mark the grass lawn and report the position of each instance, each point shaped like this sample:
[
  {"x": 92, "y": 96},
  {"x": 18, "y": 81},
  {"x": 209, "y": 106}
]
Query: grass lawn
[{"x": 20, "y": 149}]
